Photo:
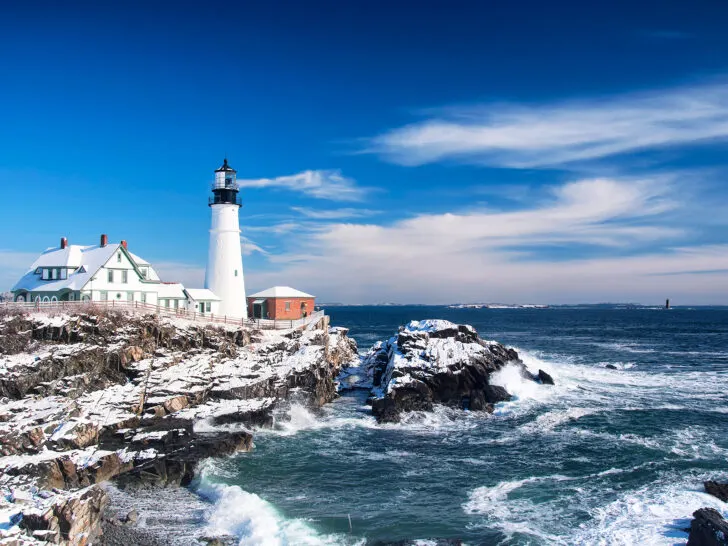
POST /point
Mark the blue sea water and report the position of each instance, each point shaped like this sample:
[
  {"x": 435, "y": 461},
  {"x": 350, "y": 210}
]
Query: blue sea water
[{"x": 606, "y": 456}]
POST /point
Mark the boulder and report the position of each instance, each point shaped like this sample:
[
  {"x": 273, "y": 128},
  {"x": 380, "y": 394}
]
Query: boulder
[
  {"x": 719, "y": 490},
  {"x": 708, "y": 528},
  {"x": 436, "y": 362},
  {"x": 545, "y": 378},
  {"x": 495, "y": 394}
]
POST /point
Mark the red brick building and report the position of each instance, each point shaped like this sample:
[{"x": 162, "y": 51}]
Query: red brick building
[{"x": 280, "y": 303}]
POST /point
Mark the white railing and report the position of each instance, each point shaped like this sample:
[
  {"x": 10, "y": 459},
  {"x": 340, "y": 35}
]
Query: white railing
[{"x": 138, "y": 306}]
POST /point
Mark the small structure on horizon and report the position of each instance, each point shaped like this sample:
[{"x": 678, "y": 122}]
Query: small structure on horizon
[{"x": 280, "y": 303}]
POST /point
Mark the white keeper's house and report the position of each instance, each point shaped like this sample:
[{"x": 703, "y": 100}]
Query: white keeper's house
[
  {"x": 104, "y": 272},
  {"x": 110, "y": 272}
]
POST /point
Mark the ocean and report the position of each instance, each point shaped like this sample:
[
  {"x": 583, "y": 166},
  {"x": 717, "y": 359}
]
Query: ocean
[{"x": 606, "y": 456}]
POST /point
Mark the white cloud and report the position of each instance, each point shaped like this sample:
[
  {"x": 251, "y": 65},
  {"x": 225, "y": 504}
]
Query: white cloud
[
  {"x": 248, "y": 247},
  {"x": 275, "y": 229},
  {"x": 191, "y": 275},
  {"x": 334, "y": 214},
  {"x": 522, "y": 136},
  {"x": 488, "y": 255},
  {"x": 321, "y": 184},
  {"x": 14, "y": 266}
]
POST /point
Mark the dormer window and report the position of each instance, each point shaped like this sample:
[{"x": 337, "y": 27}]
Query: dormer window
[
  {"x": 45, "y": 275},
  {"x": 54, "y": 273},
  {"x": 143, "y": 271},
  {"x": 81, "y": 269}
]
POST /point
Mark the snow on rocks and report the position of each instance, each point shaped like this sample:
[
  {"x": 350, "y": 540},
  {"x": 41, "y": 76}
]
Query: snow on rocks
[
  {"x": 84, "y": 399},
  {"x": 434, "y": 362}
]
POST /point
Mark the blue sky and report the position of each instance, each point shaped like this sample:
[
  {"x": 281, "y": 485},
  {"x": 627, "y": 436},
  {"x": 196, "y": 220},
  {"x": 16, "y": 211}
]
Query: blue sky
[{"x": 411, "y": 152}]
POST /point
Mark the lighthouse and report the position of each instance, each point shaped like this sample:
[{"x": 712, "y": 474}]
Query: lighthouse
[{"x": 224, "y": 273}]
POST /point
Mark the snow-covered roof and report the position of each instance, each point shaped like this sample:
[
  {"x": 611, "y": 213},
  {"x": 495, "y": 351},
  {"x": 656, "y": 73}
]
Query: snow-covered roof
[
  {"x": 170, "y": 290},
  {"x": 281, "y": 292},
  {"x": 138, "y": 260},
  {"x": 202, "y": 294},
  {"x": 92, "y": 258},
  {"x": 89, "y": 259}
]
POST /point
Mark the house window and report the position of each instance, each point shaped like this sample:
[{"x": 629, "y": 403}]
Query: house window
[
  {"x": 118, "y": 257},
  {"x": 288, "y": 306},
  {"x": 71, "y": 296},
  {"x": 166, "y": 303},
  {"x": 236, "y": 272},
  {"x": 54, "y": 299},
  {"x": 208, "y": 306},
  {"x": 125, "y": 276},
  {"x": 130, "y": 296},
  {"x": 54, "y": 273},
  {"x": 104, "y": 295},
  {"x": 64, "y": 273},
  {"x": 110, "y": 275},
  {"x": 20, "y": 299},
  {"x": 118, "y": 295},
  {"x": 176, "y": 304},
  {"x": 46, "y": 299},
  {"x": 45, "y": 275},
  {"x": 144, "y": 297}
]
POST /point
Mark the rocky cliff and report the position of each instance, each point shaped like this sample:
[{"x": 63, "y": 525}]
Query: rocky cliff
[{"x": 94, "y": 397}]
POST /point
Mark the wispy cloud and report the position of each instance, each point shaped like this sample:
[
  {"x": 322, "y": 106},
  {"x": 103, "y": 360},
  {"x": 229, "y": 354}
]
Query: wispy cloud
[
  {"x": 334, "y": 214},
  {"x": 321, "y": 184},
  {"x": 493, "y": 256},
  {"x": 523, "y": 136},
  {"x": 249, "y": 247}
]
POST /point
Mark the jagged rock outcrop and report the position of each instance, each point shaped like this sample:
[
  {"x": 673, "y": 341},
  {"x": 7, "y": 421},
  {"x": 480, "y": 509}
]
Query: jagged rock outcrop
[
  {"x": 718, "y": 490},
  {"x": 436, "y": 362},
  {"x": 708, "y": 528},
  {"x": 137, "y": 399}
]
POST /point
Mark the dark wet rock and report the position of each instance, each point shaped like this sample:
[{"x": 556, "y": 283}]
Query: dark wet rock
[
  {"x": 545, "y": 378},
  {"x": 610, "y": 367},
  {"x": 719, "y": 490},
  {"x": 495, "y": 394},
  {"x": 708, "y": 528},
  {"x": 436, "y": 362}
]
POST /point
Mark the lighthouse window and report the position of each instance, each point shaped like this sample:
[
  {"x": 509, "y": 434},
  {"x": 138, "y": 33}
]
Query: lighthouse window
[{"x": 236, "y": 272}]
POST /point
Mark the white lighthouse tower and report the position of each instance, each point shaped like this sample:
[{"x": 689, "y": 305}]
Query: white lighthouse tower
[{"x": 224, "y": 274}]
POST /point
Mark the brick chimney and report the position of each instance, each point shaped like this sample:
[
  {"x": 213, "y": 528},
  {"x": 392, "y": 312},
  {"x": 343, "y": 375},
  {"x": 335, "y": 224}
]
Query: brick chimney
[
  {"x": 64, "y": 242},
  {"x": 104, "y": 239},
  {"x": 123, "y": 243}
]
